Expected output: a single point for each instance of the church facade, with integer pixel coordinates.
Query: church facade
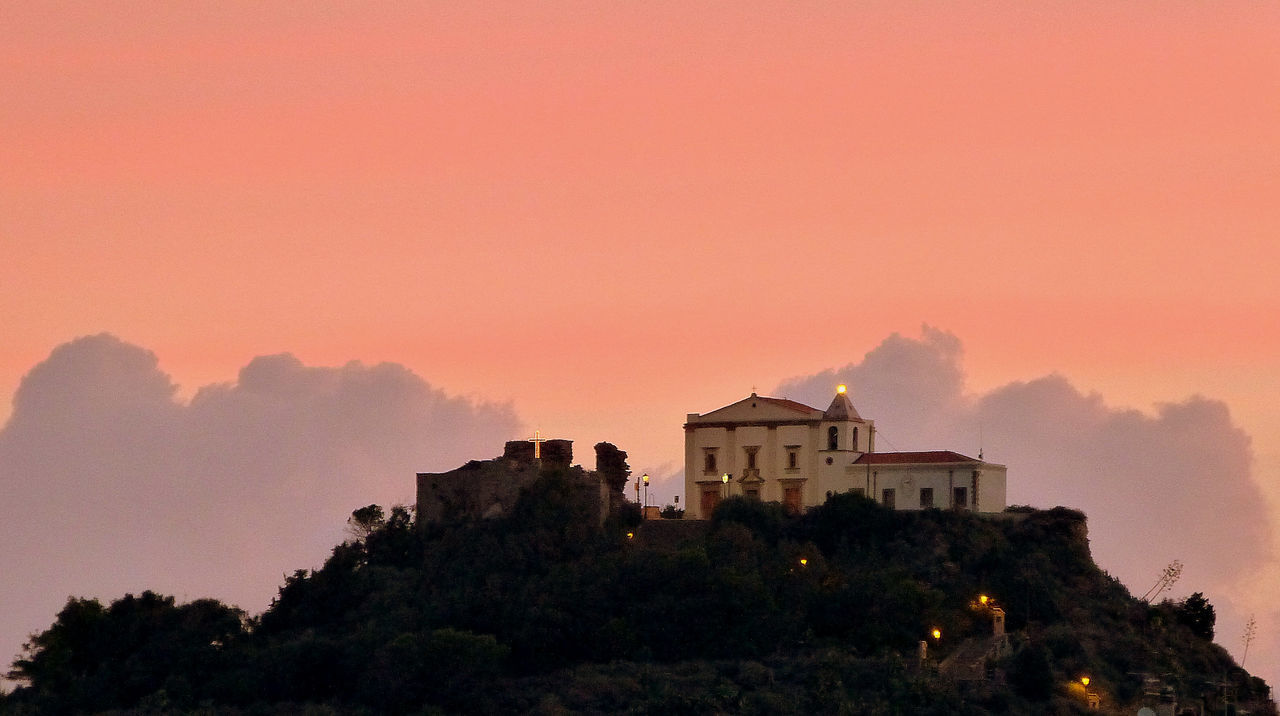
(777, 449)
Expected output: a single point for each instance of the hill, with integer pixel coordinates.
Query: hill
(755, 611)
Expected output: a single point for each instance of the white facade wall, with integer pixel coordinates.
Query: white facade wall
(992, 496)
(907, 481)
(774, 429)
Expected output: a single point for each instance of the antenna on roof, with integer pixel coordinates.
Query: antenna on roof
(980, 440)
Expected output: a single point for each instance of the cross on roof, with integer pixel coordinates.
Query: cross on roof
(537, 441)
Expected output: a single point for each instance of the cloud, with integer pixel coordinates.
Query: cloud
(1174, 483)
(111, 484)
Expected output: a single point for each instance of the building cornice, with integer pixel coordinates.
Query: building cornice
(766, 423)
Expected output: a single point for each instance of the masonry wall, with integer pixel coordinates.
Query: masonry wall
(489, 489)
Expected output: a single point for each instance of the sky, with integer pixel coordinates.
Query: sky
(264, 261)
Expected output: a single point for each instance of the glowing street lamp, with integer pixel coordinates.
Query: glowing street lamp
(936, 634)
(983, 599)
(803, 561)
(645, 477)
(1084, 680)
(725, 479)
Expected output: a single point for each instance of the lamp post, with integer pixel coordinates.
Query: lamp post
(725, 479)
(645, 477)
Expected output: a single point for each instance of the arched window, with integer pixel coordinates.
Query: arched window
(855, 438)
(833, 438)
(709, 462)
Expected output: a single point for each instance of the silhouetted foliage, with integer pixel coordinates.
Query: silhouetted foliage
(754, 611)
(1030, 674)
(95, 658)
(1197, 614)
(364, 521)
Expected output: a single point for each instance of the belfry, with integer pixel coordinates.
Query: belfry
(778, 449)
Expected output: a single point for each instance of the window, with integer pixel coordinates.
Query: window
(709, 462)
(960, 498)
(855, 439)
(833, 438)
(751, 456)
(926, 498)
(888, 498)
(793, 459)
(753, 493)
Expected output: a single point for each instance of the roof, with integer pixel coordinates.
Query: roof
(788, 404)
(841, 408)
(904, 458)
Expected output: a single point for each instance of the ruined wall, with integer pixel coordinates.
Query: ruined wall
(478, 490)
(555, 453)
(488, 489)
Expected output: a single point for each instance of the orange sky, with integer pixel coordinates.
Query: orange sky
(593, 205)
(611, 214)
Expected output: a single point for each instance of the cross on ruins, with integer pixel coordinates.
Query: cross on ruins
(537, 441)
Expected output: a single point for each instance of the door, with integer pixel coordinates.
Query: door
(791, 499)
(889, 498)
(710, 498)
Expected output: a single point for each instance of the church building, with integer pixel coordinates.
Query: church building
(778, 449)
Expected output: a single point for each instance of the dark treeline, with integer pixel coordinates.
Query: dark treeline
(756, 611)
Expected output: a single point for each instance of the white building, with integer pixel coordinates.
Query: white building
(777, 449)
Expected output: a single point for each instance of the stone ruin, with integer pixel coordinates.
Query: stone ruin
(488, 489)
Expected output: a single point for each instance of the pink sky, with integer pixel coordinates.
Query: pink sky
(612, 214)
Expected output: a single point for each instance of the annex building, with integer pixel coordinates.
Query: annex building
(778, 449)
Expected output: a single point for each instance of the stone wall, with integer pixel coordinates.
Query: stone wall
(555, 453)
(488, 489)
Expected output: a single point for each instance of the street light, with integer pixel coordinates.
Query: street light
(645, 477)
(936, 634)
(725, 479)
(1084, 680)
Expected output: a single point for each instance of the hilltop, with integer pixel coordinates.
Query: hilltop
(544, 609)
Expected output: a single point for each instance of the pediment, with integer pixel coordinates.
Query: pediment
(756, 408)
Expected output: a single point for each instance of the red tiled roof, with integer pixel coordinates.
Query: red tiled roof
(900, 458)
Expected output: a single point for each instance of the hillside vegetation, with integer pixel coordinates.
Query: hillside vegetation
(754, 611)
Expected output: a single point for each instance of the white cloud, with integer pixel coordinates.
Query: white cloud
(112, 485)
(1174, 483)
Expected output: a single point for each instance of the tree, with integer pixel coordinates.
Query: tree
(1030, 673)
(1198, 615)
(95, 658)
(364, 521)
